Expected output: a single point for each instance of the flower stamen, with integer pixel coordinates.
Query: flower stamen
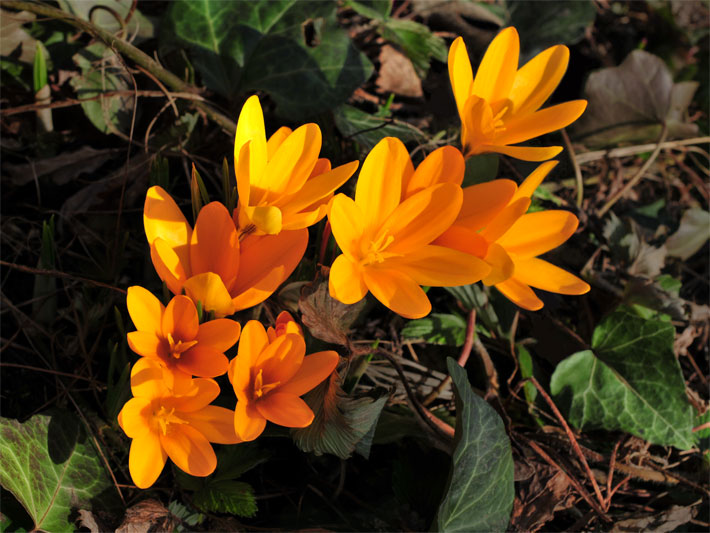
(176, 348)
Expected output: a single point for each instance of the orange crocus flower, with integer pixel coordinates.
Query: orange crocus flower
(493, 225)
(174, 337)
(282, 183)
(386, 233)
(210, 263)
(269, 374)
(163, 424)
(500, 107)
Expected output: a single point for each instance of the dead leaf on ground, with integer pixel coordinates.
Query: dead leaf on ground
(692, 234)
(13, 37)
(397, 74)
(669, 520)
(148, 515)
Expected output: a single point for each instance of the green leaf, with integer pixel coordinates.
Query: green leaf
(480, 169)
(480, 493)
(437, 328)
(368, 130)
(233, 497)
(629, 381)
(50, 466)
(294, 50)
(40, 68)
(416, 41)
(374, 9)
(693, 233)
(340, 422)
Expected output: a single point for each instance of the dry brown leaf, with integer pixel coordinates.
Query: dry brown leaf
(397, 74)
(148, 515)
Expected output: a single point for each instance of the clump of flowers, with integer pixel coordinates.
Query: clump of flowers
(405, 228)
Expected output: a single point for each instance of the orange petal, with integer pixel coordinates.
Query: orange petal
(250, 129)
(285, 410)
(180, 319)
(146, 344)
(209, 289)
(276, 140)
(539, 232)
(163, 219)
(135, 417)
(266, 262)
(398, 292)
(443, 165)
(147, 379)
(345, 282)
(189, 450)
(253, 341)
(220, 334)
(520, 294)
(296, 221)
(248, 421)
(532, 182)
(464, 240)
(315, 368)
(346, 221)
(200, 392)
(526, 153)
(496, 72)
(438, 266)
(168, 265)
(146, 460)
(319, 188)
(203, 361)
(379, 186)
(537, 79)
(484, 201)
(242, 164)
(214, 246)
(460, 73)
(546, 120)
(145, 310)
(546, 276)
(502, 266)
(282, 358)
(505, 219)
(215, 423)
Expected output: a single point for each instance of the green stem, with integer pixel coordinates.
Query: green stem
(127, 50)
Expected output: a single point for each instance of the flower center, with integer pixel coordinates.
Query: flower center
(498, 124)
(176, 348)
(165, 418)
(375, 252)
(260, 389)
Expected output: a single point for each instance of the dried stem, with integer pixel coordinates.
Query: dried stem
(575, 164)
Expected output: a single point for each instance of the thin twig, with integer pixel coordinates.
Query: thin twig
(626, 151)
(575, 165)
(48, 371)
(59, 274)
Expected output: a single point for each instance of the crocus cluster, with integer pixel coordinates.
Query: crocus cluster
(405, 228)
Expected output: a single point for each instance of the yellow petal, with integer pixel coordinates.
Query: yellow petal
(168, 265)
(145, 344)
(146, 460)
(215, 423)
(250, 128)
(214, 246)
(438, 266)
(163, 218)
(505, 219)
(464, 240)
(320, 187)
(537, 79)
(267, 219)
(248, 422)
(209, 289)
(135, 417)
(145, 310)
(197, 394)
(460, 73)
(220, 334)
(346, 221)
(285, 410)
(305, 219)
(536, 233)
(345, 282)
(484, 201)
(180, 319)
(398, 292)
(502, 266)
(276, 140)
(315, 368)
(546, 276)
(443, 165)
(520, 294)
(496, 72)
(532, 182)
(189, 450)
(147, 379)
(526, 153)
(242, 165)
(546, 120)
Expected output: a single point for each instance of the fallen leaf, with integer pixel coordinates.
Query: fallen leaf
(147, 515)
(669, 520)
(692, 234)
(397, 74)
(14, 37)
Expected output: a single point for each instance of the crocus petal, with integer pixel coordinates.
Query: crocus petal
(526, 153)
(438, 266)
(189, 450)
(484, 201)
(220, 334)
(443, 165)
(209, 289)
(242, 164)
(201, 392)
(295, 221)
(168, 265)
(147, 379)
(520, 129)
(505, 219)
(346, 222)
(214, 246)
(320, 187)
(145, 344)
(533, 181)
(253, 341)
(203, 361)
(397, 291)
(546, 276)
(464, 240)
(421, 218)
(379, 186)
(537, 79)
(285, 410)
(496, 72)
(460, 73)
(215, 423)
(180, 319)
(163, 219)
(135, 417)
(346, 283)
(266, 262)
(276, 140)
(145, 310)
(540, 232)
(250, 129)
(146, 460)
(248, 421)
(315, 368)
(282, 358)
(502, 266)
(520, 294)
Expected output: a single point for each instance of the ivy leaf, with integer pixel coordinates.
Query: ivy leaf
(340, 422)
(437, 328)
(225, 496)
(629, 381)
(480, 492)
(50, 466)
(368, 130)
